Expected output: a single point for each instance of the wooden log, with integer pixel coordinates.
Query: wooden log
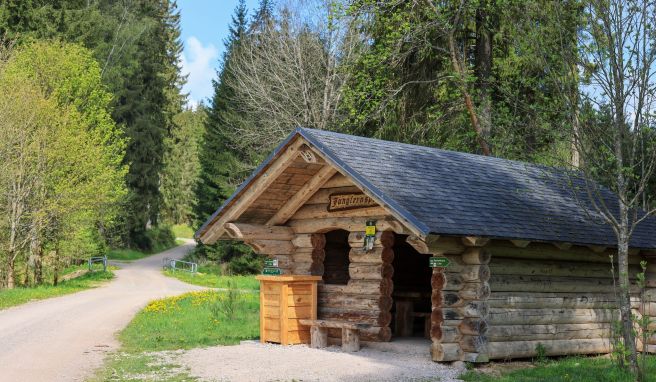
(318, 337)
(372, 334)
(298, 199)
(526, 349)
(256, 187)
(475, 241)
(301, 257)
(376, 255)
(355, 302)
(248, 232)
(531, 300)
(444, 334)
(502, 316)
(338, 180)
(383, 223)
(544, 251)
(476, 256)
(443, 352)
(309, 240)
(301, 268)
(513, 283)
(364, 271)
(478, 309)
(272, 247)
(475, 273)
(323, 195)
(474, 291)
(382, 239)
(536, 267)
(473, 326)
(438, 279)
(350, 340)
(320, 211)
(372, 317)
(418, 244)
(447, 299)
(437, 317)
(317, 269)
(500, 333)
(444, 245)
(473, 344)
(318, 255)
(361, 287)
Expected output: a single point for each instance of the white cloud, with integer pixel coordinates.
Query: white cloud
(198, 63)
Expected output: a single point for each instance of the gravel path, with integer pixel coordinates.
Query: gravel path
(255, 362)
(66, 338)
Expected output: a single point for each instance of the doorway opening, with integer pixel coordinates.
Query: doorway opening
(412, 305)
(336, 263)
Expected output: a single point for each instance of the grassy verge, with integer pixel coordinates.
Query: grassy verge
(17, 296)
(210, 276)
(187, 321)
(580, 369)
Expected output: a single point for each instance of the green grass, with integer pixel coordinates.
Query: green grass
(17, 296)
(186, 321)
(579, 369)
(210, 276)
(141, 367)
(182, 322)
(182, 231)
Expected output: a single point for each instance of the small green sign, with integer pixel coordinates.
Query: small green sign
(271, 271)
(271, 263)
(438, 262)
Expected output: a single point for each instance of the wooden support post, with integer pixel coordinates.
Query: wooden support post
(350, 340)
(318, 337)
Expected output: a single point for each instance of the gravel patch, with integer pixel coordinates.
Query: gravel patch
(251, 362)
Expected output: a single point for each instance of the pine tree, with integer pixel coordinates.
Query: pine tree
(142, 106)
(217, 161)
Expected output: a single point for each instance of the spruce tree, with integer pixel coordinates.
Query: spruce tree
(217, 161)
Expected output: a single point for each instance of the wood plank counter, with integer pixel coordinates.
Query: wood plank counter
(284, 300)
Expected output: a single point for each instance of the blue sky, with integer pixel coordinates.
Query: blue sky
(204, 26)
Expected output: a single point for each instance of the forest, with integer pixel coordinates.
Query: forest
(100, 149)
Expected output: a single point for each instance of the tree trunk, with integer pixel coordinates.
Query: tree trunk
(11, 272)
(625, 299)
(483, 67)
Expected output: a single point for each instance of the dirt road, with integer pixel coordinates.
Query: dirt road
(66, 338)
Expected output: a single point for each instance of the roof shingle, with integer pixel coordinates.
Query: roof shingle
(453, 193)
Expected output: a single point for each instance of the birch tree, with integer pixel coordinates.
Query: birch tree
(616, 145)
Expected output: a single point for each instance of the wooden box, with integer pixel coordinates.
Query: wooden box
(284, 300)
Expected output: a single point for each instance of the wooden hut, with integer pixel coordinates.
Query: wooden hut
(529, 262)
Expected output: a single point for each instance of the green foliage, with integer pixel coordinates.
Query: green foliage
(186, 321)
(214, 276)
(580, 369)
(21, 295)
(540, 353)
(181, 167)
(227, 303)
(182, 231)
(239, 258)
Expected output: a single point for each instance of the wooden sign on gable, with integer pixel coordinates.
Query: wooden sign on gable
(349, 201)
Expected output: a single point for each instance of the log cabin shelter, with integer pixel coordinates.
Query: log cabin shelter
(528, 255)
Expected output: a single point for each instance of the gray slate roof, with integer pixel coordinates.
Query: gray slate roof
(452, 193)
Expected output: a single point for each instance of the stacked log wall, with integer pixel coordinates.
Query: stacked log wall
(366, 298)
(561, 299)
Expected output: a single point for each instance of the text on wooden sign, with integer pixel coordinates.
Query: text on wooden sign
(347, 201)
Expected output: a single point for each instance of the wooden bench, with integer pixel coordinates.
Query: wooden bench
(319, 333)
